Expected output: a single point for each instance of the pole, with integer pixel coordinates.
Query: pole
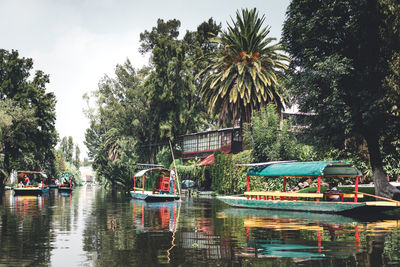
(176, 170)
(319, 186)
(356, 190)
(143, 183)
(284, 183)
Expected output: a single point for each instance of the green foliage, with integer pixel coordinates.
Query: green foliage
(74, 173)
(226, 177)
(28, 116)
(346, 74)
(269, 141)
(137, 112)
(242, 75)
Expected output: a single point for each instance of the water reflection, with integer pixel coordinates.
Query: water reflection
(96, 227)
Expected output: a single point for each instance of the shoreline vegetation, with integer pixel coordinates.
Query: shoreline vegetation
(225, 75)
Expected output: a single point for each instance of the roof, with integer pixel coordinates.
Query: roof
(160, 170)
(207, 161)
(311, 168)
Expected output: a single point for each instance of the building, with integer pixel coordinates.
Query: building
(201, 145)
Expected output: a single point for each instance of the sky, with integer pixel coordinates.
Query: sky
(77, 42)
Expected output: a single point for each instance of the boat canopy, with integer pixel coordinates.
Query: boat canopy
(301, 169)
(160, 170)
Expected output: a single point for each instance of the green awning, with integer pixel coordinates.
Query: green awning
(311, 168)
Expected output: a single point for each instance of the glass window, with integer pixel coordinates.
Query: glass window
(190, 143)
(203, 142)
(215, 141)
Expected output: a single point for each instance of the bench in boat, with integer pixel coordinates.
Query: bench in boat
(292, 195)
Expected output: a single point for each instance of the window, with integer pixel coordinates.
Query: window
(190, 143)
(215, 141)
(226, 138)
(203, 142)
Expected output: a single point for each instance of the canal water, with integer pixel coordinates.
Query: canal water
(94, 227)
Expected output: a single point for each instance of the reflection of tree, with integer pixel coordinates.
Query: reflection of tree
(25, 232)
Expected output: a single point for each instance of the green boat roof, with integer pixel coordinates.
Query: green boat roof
(311, 168)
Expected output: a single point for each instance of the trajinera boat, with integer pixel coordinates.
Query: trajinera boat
(31, 183)
(65, 183)
(158, 180)
(307, 202)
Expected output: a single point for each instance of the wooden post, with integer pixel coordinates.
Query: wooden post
(356, 190)
(248, 185)
(143, 183)
(134, 183)
(319, 186)
(284, 184)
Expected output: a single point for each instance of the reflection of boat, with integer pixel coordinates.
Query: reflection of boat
(322, 233)
(30, 186)
(160, 216)
(309, 202)
(160, 192)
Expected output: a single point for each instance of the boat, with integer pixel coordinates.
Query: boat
(36, 185)
(53, 183)
(159, 177)
(65, 183)
(306, 202)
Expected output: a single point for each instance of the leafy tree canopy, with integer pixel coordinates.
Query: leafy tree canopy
(343, 53)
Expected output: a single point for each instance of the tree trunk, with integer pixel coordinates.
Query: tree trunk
(382, 187)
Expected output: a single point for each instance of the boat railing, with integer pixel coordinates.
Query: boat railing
(276, 195)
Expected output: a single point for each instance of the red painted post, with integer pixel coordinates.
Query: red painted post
(319, 186)
(143, 184)
(356, 190)
(357, 238)
(134, 183)
(248, 185)
(284, 184)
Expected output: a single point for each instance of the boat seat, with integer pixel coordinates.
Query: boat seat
(281, 195)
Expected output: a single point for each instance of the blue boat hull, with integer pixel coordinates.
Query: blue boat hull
(150, 197)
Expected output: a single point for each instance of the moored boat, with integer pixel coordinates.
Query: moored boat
(308, 202)
(163, 189)
(33, 186)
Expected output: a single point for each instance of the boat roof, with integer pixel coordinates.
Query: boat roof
(302, 169)
(21, 173)
(160, 170)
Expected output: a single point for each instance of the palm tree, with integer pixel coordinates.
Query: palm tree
(242, 76)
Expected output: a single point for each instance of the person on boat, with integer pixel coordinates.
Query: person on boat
(20, 184)
(26, 180)
(172, 177)
(331, 192)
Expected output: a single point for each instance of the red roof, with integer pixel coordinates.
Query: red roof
(207, 161)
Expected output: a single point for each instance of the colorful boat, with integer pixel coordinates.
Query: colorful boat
(308, 202)
(65, 183)
(33, 186)
(160, 178)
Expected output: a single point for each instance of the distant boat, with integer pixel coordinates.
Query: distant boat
(35, 187)
(307, 202)
(162, 186)
(65, 183)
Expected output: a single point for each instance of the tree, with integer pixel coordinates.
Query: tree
(77, 161)
(341, 53)
(243, 75)
(28, 141)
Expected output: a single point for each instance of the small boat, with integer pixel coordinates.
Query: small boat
(161, 190)
(65, 184)
(33, 186)
(306, 202)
